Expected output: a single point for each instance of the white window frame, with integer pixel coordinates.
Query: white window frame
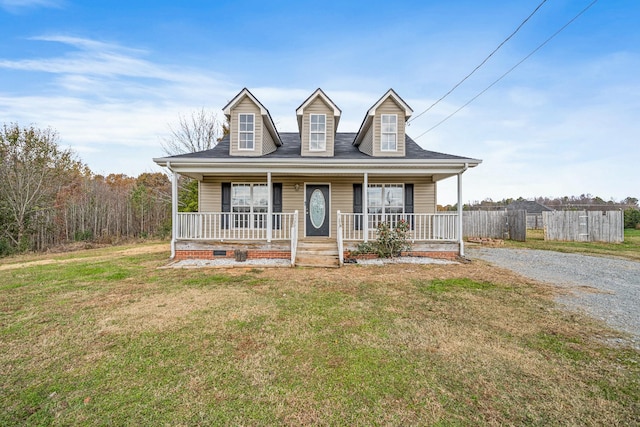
(386, 134)
(254, 219)
(384, 214)
(322, 143)
(251, 132)
(383, 207)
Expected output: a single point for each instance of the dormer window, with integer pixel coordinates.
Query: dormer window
(318, 132)
(246, 132)
(389, 132)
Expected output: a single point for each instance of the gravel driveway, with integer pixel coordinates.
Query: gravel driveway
(605, 288)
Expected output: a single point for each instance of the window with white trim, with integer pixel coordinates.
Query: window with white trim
(385, 203)
(246, 135)
(249, 204)
(389, 132)
(317, 132)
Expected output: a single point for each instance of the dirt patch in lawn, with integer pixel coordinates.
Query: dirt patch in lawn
(138, 250)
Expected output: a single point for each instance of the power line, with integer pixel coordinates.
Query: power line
(481, 64)
(510, 69)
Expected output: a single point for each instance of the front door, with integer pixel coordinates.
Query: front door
(317, 210)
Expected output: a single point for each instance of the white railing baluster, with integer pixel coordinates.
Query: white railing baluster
(251, 227)
(232, 226)
(425, 227)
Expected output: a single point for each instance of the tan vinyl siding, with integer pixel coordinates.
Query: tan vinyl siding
(389, 107)
(210, 195)
(246, 106)
(293, 200)
(424, 196)
(268, 144)
(318, 106)
(366, 146)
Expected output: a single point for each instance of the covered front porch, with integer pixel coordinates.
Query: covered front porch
(300, 211)
(271, 229)
(218, 234)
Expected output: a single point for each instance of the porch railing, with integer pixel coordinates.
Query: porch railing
(423, 227)
(294, 238)
(234, 226)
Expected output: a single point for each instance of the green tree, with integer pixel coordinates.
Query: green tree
(188, 197)
(33, 169)
(631, 218)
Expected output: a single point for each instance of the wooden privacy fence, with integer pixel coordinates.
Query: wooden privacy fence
(510, 225)
(583, 226)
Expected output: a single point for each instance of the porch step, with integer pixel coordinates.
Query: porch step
(321, 253)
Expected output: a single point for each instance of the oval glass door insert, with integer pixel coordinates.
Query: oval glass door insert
(317, 207)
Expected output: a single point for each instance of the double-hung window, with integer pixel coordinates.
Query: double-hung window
(389, 132)
(246, 134)
(249, 204)
(385, 203)
(318, 132)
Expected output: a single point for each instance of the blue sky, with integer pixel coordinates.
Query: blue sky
(111, 76)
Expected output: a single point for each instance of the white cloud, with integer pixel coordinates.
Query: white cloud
(112, 104)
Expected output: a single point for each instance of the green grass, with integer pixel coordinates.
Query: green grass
(112, 339)
(629, 249)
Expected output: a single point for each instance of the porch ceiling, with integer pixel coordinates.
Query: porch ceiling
(437, 171)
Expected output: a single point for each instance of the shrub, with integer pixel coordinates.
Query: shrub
(82, 236)
(390, 241)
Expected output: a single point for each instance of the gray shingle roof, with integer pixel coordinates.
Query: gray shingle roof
(343, 149)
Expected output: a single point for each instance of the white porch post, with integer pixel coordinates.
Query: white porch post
(269, 209)
(174, 210)
(365, 203)
(460, 233)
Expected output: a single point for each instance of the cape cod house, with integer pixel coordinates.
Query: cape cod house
(312, 195)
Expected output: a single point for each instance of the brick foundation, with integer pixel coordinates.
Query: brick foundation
(450, 255)
(251, 254)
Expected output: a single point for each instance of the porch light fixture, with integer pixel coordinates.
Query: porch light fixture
(296, 187)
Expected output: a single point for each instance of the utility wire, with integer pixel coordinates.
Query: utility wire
(481, 64)
(510, 70)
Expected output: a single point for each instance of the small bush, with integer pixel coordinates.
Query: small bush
(391, 241)
(5, 248)
(82, 236)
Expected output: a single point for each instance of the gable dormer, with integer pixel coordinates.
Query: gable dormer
(252, 132)
(382, 133)
(318, 119)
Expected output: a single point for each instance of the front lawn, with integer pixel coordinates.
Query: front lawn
(109, 338)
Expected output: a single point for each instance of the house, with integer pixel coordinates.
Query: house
(312, 195)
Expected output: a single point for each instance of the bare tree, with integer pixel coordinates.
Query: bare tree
(200, 131)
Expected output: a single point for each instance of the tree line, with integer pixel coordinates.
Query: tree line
(48, 197)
